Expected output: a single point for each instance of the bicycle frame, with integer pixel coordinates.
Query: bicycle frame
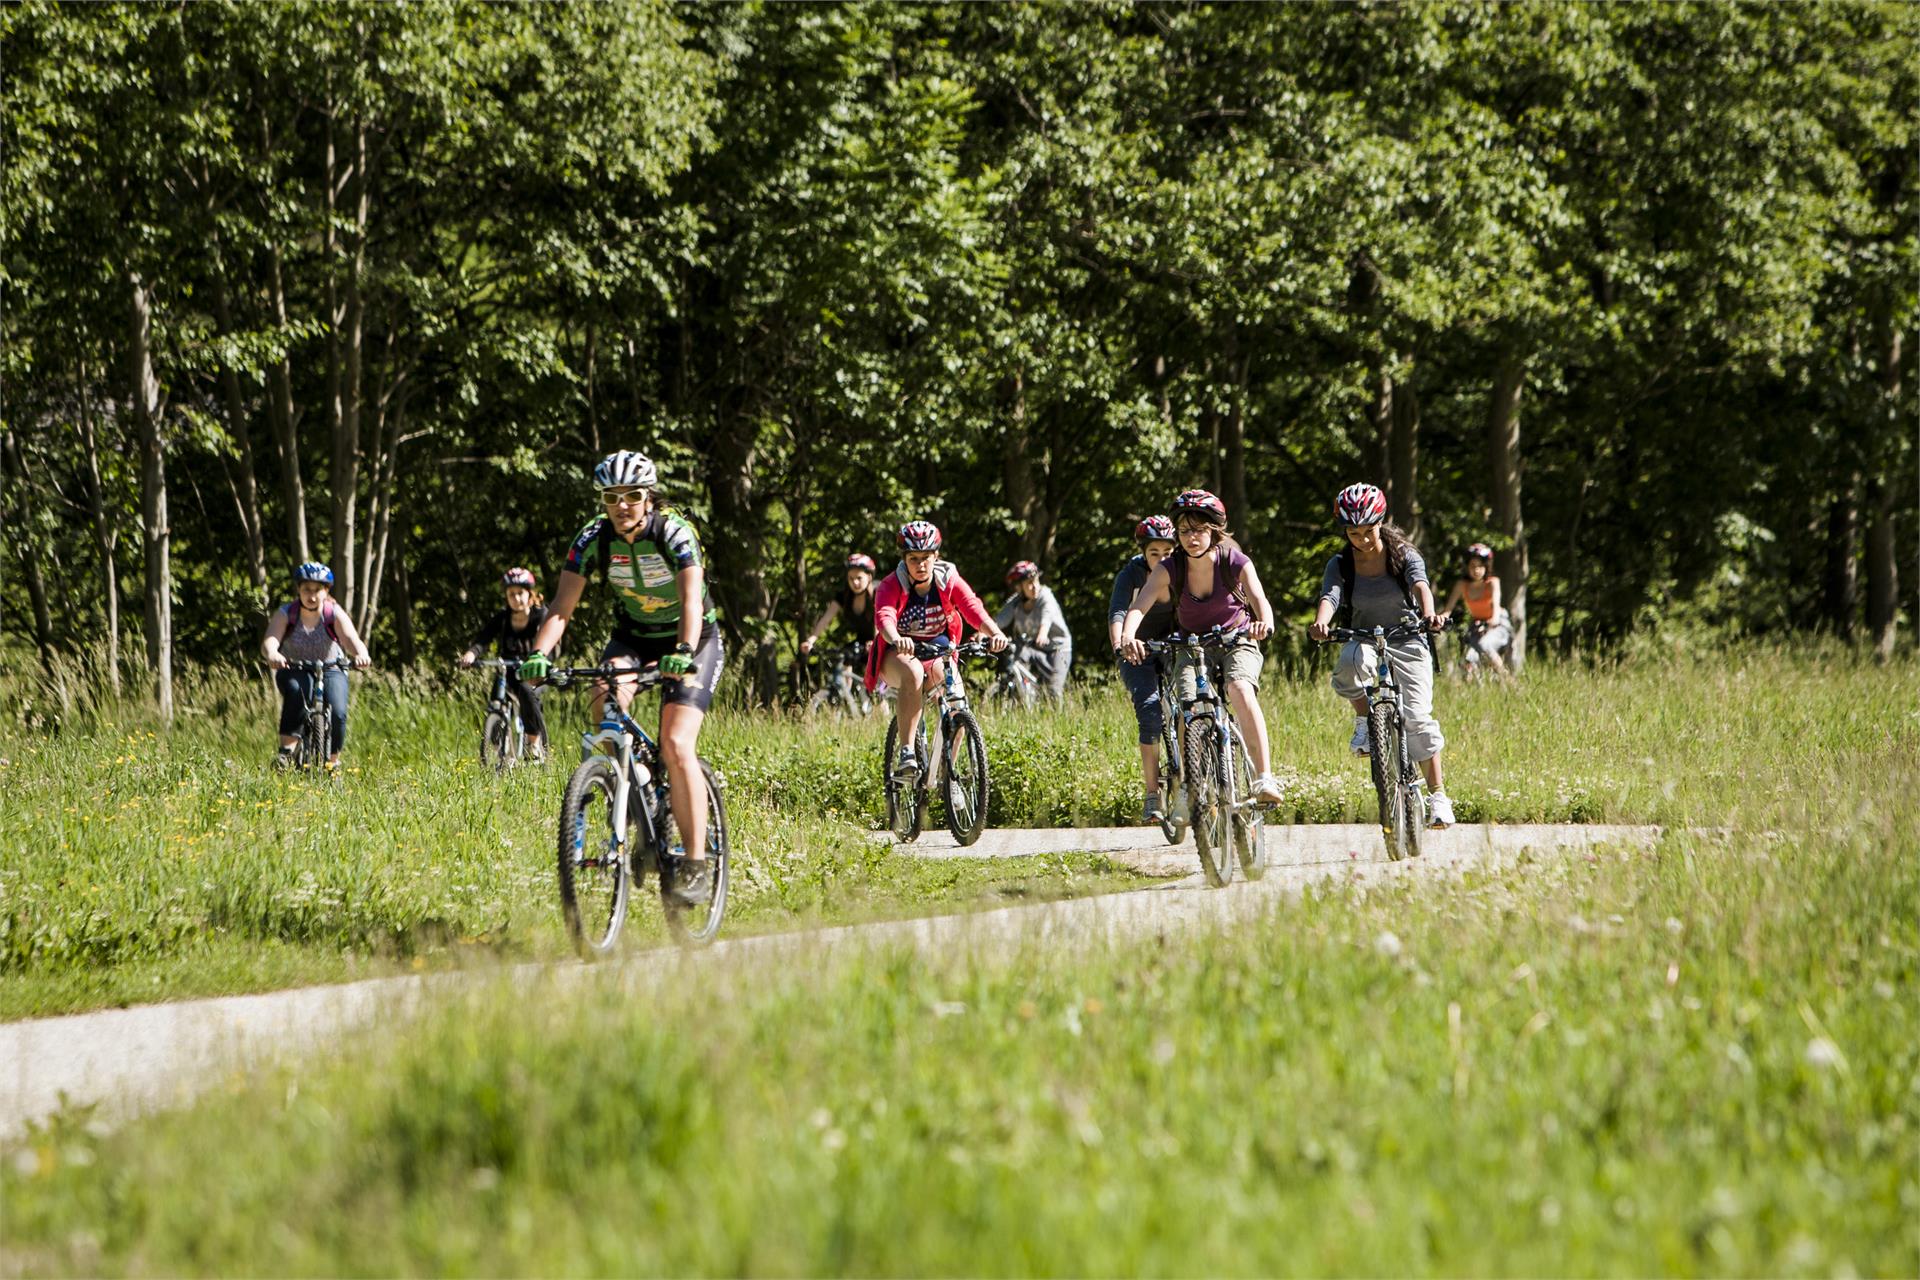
(617, 736)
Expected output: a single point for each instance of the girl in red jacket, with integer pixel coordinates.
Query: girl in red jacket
(922, 599)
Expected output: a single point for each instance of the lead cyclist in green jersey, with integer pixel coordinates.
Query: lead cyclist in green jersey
(650, 562)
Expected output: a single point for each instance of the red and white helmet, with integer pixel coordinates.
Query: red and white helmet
(1021, 571)
(919, 535)
(858, 561)
(1201, 503)
(1360, 504)
(1153, 529)
(517, 577)
(1480, 551)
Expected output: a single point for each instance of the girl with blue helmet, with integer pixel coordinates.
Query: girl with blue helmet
(311, 629)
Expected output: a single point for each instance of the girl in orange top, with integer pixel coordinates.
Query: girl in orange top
(1489, 630)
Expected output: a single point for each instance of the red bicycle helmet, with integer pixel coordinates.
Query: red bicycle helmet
(1200, 502)
(1360, 504)
(1022, 571)
(919, 535)
(1480, 551)
(1153, 529)
(858, 561)
(517, 577)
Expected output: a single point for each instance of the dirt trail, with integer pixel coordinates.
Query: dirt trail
(140, 1059)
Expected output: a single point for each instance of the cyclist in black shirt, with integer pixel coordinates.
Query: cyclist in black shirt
(854, 602)
(514, 627)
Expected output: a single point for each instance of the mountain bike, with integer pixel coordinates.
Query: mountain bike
(957, 745)
(616, 825)
(842, 690)
(315, 747)
(1214, 766)
(1015, 684)
(1398, 783)
(503, 738)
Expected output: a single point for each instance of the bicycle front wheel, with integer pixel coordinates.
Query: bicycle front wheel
(496, 741)
(315, 738)
(1384, 731)
(903, 795)
(1173, 797)
(596, 879)
(1249, 823)
(1212, 825)
(965, 770)
(696, 926)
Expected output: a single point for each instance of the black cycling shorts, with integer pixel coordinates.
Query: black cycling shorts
(695, 689)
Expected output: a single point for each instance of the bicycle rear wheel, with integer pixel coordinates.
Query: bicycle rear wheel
(965, 774)
(1384, 730)
(1173, 822)
(596, 878)
(1249, 822)
(903, 796)
(696, 926)
(1212, 825)
(496, 741)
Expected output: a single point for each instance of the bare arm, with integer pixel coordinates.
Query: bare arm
(691, 582)
(1152, 592)
(350, 637)
(1459, 593)
(1496, 596)
(826, 620)
(276, 632)
(1257, 596)
(566, 598)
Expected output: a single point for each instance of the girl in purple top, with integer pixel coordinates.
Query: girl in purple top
(1212, 583)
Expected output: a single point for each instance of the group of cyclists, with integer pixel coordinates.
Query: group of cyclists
(1188, 576)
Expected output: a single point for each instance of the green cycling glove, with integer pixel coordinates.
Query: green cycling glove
(676, 664)
(535, 667)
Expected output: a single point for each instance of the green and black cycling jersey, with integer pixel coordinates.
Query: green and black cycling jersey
(640, 575)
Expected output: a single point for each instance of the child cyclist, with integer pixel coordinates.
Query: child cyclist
(311, 629)
(515, 628)
(654, 576)
(854, 603)
(1377, 577)
(1210, 583)
(1155, 536)
(922, 599)
(1490, 631)
(1034, 615)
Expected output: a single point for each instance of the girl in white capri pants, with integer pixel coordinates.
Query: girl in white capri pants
(1377, 578)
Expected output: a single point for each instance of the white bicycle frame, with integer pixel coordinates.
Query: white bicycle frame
(613, 739)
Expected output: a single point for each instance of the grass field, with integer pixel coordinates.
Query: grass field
(139, 866)
(1699, 1059)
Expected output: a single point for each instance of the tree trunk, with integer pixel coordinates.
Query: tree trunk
(1840, 584)
(1016, 457)
(1233, 479)
(347, 315)
(403, 606)
(144, 401)
(1504, 472)
(105, 533)
(739, 560)
(240, 469)
(1378, 451)
(1403, 489)
(1883, 573)
(29, 557)
(286, 426)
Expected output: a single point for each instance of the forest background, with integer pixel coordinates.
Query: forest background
(1628, 291)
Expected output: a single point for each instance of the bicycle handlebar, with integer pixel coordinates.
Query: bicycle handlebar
(971, 649)
(642, 677)
(1405, 630)
(1217, 638)
(314, 666)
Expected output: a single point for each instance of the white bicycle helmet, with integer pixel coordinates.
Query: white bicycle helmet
(626, 469)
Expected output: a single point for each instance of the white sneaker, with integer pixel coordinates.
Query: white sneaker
(1266, 789)
(1439, 810)
(1361, 743)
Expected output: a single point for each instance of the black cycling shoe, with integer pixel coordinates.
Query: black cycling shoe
(691, 882)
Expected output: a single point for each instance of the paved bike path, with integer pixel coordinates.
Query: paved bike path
(129, 1061)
